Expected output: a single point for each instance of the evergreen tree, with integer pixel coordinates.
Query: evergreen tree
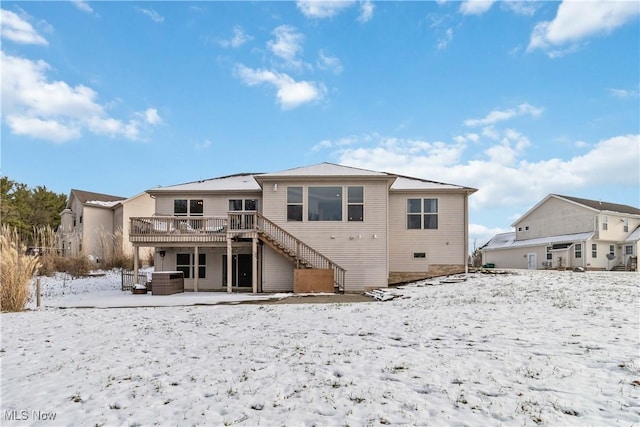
(23, 208)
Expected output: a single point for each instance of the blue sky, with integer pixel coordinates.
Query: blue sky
(517, 99)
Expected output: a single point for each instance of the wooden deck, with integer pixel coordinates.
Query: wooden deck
(218, 231)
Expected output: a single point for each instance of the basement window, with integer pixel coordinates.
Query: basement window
(419, 255)
(186, 264)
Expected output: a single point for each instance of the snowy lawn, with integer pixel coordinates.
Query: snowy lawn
(542, 347)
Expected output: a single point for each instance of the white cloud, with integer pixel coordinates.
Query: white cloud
(287, 44)
(203, 145)
(480, 234)
(328, 62)
(366, 11)
(18, 30)
(576, 21)
(239, 38)
(527, 8)
(623, 93)
(290, 93)
(501, 177)
(445, 39)
(155, 16)
(55, 111)
(152, 117)
(475, 7)
(322, 9)
(501, 115)
(82, 5)
(327, 143)
(34, 127)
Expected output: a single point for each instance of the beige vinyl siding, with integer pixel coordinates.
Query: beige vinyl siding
(555, 217)
(446, 245)
(615, 226)
(515, 258)
(97, 223)
(277, 272)
(214, 279)
(142, 205)
(359, 247)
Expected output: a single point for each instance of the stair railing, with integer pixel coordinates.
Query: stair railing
(300, 251)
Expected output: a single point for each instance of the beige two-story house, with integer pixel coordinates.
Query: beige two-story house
(257, 231)
(569, 232)
(95, 224)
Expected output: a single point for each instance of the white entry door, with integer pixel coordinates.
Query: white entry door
(531, 261)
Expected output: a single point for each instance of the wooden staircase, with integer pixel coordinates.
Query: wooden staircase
(298, 252)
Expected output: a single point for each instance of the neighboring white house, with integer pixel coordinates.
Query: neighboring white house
(96, 224)
(569, 232)
(257, 231)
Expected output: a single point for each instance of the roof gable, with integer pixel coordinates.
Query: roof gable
(85, 197)
(602, 206)
(593, 205)
(324, 170)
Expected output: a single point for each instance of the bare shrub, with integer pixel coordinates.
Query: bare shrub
(16, 270)
(122, 261)
(77, 266)
(44, 239)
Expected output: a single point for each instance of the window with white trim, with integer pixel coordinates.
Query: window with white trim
(243, 205)
(294, 203)
(324, 203)
(578, 250)
(625, 225)
(628, 250)
(184, 207)
(422, 214)
(605, 222)
(594, 250)
(185, 263)
(355, 203)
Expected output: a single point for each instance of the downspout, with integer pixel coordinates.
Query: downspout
(466, 233)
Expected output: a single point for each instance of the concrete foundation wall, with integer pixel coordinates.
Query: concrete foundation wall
(435, 270)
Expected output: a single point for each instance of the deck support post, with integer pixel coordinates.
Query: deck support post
(229, 264)
(136, 261)
(254, 264)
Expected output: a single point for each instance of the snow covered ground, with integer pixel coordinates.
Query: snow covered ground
(532, 348)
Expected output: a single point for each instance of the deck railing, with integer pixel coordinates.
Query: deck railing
(303, 254)
(159, 225)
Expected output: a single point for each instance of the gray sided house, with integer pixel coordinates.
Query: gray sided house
(95, 224)
(568, 232)
(257, 232)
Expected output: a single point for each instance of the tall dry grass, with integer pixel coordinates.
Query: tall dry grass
(16, 270)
